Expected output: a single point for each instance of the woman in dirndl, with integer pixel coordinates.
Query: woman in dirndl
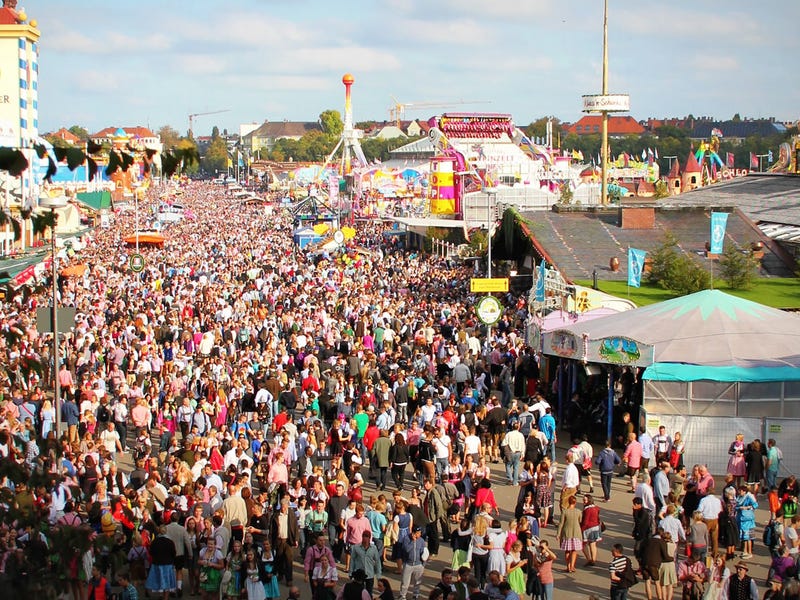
(233, 563)
(253, 575)
(736, 463)
(569, 534)
(497, 553)
(161, 579)
(462, 542)
(270, 580)
(211, 563)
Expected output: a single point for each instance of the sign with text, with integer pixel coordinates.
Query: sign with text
(485, 285)
(606, 103)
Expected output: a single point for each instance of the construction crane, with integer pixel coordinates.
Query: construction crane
(398, 110)
(202, 114)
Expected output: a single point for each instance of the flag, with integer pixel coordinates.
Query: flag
(540, 277)
(769, 156)
(635, 266)
(644, 154)
(718, 223)
(729, 162)
(753, 161)
(656, 153)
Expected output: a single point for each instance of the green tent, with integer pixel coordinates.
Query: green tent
(97, 201)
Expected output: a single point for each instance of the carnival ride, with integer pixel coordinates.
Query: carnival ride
(709, 150)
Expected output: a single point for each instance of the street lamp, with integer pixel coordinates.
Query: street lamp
(54, 204)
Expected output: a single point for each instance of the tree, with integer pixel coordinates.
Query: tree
(216, 158)
(738, 268)
(169, 137)
(214, 132)
(676, 272)
(736, 118)
(81, 133)
(331, 122)
(57, 141)
(538, 128)
(662, 190)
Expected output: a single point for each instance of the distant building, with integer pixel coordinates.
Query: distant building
(264, 137)
(66, 135)
(138, 137)
(617, 126)
(737, 131)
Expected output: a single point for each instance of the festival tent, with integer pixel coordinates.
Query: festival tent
(709, 335)
(715, 365)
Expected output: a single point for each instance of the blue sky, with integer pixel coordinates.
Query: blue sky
(152, 63)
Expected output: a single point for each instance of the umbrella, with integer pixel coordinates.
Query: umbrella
(349, 232)
(321, 228)
(76, 270)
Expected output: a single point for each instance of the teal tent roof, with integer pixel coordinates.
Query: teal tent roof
(707, 329)
(95, 200)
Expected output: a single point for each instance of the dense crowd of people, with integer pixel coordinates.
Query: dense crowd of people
(233, 415)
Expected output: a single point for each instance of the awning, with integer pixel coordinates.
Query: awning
(18, 271)
(420, 225)
(97, 201)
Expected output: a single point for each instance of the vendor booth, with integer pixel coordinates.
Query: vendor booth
(714, 365)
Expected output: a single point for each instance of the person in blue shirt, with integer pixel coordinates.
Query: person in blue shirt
(547, 425)
(606, 463)
(70, 414)
(508, 593)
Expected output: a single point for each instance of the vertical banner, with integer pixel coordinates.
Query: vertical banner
(540, 279)
(718, 224)
(635, 266)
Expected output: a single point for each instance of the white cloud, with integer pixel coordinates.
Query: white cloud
(200, 64)
(456, 31)
(95, 81)
(667, 20)
(513, 10)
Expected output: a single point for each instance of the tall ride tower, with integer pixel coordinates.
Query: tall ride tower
(351, 147)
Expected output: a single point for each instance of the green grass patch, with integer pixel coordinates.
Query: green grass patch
(778, 292)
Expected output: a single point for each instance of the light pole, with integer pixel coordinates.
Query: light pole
(604, 122)
(54, 204)
(491, 194)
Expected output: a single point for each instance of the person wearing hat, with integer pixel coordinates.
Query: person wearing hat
(355, 589)
(775, 588)
(742, 586)
(365, 558)
(414, 564)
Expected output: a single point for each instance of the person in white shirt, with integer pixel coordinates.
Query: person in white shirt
(569, 482)
(515, 442)
(644, 490)
(110, 440)
(442, 447)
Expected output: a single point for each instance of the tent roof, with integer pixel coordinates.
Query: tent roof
(97, 201)
(708, 328)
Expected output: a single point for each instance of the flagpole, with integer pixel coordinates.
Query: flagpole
(628, 278)
(712, 273)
